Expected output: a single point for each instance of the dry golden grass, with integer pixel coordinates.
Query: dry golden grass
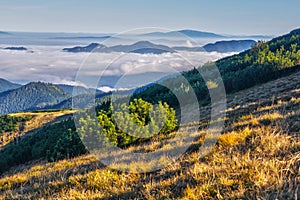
(233, 172)
(257, 157)
(37, 120)
(255, 162)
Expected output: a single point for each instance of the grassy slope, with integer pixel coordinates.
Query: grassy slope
(257, 157)
(37, 120)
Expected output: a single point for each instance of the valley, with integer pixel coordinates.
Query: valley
(50, 150)
(260, 145)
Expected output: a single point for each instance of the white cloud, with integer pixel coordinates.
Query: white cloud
(50, 64)
(189, 43)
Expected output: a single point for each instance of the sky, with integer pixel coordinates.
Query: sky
(51, 64)
(236, 17)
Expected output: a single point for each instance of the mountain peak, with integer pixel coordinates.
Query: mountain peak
(32, 96)
(191, 31)
(296, 31)
(140, 47)
(195, 33)
(91, 47)
(143, 43)
(95, 45)
(4, 33)
(6, 85)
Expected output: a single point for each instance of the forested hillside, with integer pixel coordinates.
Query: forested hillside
(14, 127)
(52, 142)
(77, 90)
(6, 85)
(61, 140)
(256, 157)
(32, 96)
(10, 123)
(263, 62)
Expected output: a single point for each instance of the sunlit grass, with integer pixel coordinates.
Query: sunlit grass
(36, 121)
(256, 157)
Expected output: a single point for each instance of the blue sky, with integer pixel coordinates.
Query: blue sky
(105, 16)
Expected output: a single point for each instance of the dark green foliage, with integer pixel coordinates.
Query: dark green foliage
(33, 96)
(81, 101)
(57, 141)
(126, 124)
(10, 123)
(265, 61)
(60, 140)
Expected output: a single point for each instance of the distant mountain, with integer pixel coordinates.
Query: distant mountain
(77, 90)
(16, 48)
(32, 96)
(150, 51)
(156, 34)
(193, 33)
(255, 37)
(221, 46)
(82, 101)
(265, 61)
(4, 33)
(139, 46)
(6, 85)
(82, 37)
(192, 49)
(188, 33)
(142, 47)
(230, 46)
(91, 47)
(145, 47)
(202, 34)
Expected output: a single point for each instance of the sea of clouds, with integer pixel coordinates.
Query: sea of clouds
(51, 64)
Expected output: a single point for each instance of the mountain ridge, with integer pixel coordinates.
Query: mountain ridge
(221, 46)
(146, 47)
(184, 32)
(265, 61)
(136, 47)
(253, 126)
(6, 85)
(16, 48)
(4, 33)
(230, 46)
(32, 96)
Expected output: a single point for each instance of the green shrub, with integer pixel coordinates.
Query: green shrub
(126, 124)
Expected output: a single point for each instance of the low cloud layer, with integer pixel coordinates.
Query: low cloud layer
(50, 64)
